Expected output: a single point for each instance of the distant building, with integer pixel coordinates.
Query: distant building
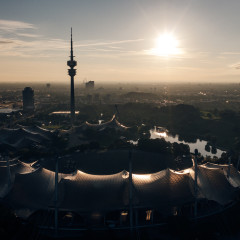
(89, 85)
(89, 99)
(97, 98)
(28, 99)
(107, 98)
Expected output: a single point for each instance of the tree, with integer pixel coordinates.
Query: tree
(228, 115)
(155, 145)
(180, 149)
(207, 147)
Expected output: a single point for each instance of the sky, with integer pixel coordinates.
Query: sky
(116, 40)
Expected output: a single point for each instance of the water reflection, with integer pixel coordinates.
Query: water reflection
(200, 145)
(63, 113)
(161, 134)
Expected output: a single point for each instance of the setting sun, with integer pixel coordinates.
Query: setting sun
(166, 45)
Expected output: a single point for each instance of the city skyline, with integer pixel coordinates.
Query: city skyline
(116, 41)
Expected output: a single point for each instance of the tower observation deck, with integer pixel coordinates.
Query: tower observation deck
(72, 72)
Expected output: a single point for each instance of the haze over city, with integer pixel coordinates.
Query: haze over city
(120, 41)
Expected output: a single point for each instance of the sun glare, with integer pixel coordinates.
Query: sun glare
(166, 45)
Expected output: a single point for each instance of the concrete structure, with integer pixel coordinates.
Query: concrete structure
(28, 99)
(72, 72)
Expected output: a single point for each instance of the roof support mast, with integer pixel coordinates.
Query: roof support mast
(195, 182)
(229, 166)
(130, 191)
(238, 163)
(9, 171)
(56, 196)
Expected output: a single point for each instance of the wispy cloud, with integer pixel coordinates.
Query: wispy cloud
(235, 66)
(34, 48)
(19, 40)
(230, 53)
(29, 35)
(35, 45)
(9, 25)
(5, 41)
(108, 43)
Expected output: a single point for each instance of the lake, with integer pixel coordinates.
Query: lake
(200, 145)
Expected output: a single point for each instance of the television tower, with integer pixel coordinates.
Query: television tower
(72, 72)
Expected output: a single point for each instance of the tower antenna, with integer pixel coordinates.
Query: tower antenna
(72, 72)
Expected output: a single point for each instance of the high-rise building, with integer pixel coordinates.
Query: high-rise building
(89, 85)
(28, 99)
(72, 72)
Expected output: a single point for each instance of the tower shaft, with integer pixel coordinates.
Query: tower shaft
(72, 99)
